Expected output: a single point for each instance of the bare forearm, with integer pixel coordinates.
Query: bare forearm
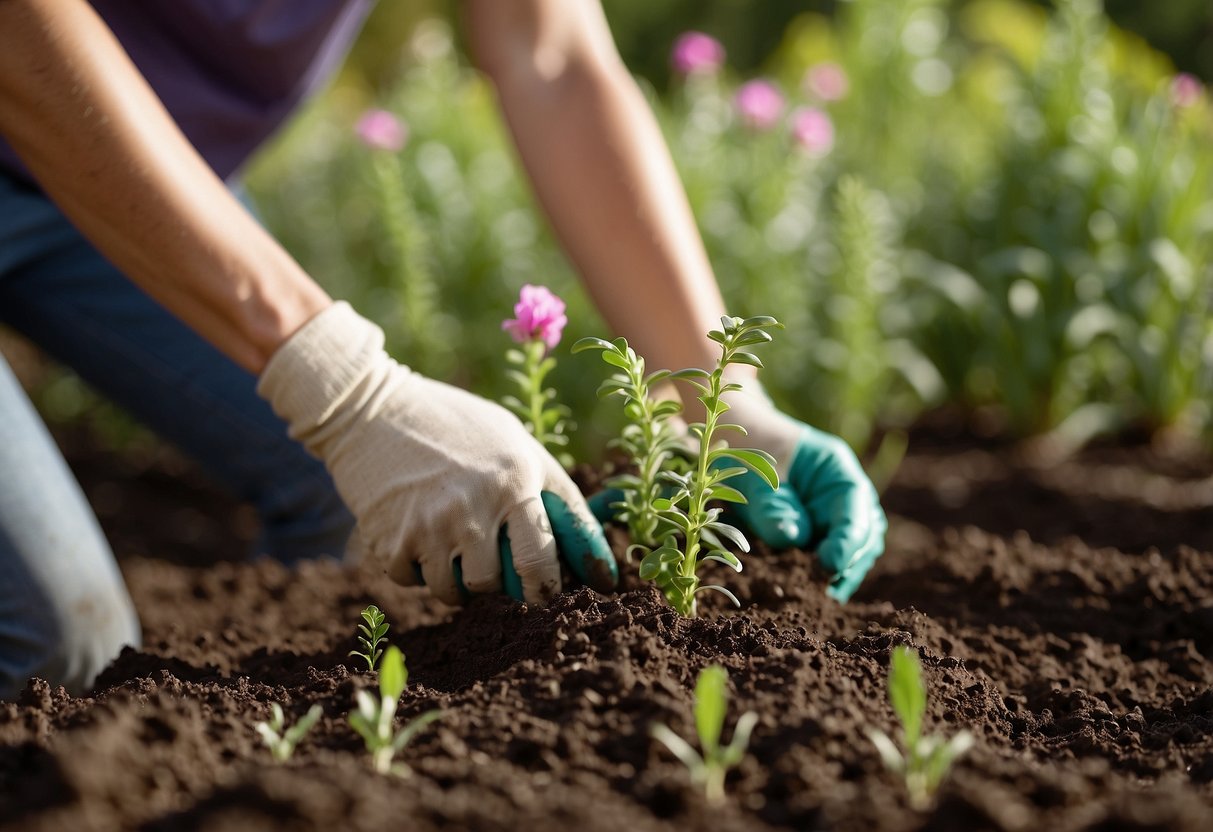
(103, 148)
(604, 176)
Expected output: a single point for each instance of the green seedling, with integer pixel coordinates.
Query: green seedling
(926, 760)
(373, 719)
(373, 632)
(281, 740)
(708, 770)
(648, 439)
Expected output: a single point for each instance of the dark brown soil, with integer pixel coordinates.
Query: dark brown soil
(1064, 616)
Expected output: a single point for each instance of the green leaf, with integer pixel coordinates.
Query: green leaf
(743, 357)
(666, 408)
(889, 755)
(728, 494)
(711, 703)
(592, 343)
(760, 462)
(656, 377)
(515, 357)
(690, 373)
(722, 591)
(733, 753)
(732, 533)
(613, 385)
(761, 321)
(393, 675)
(727, 558)
(753, 336)
(908, 693)
(616, 360)
(679, 747)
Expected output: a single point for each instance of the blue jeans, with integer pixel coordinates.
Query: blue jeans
(64, 611)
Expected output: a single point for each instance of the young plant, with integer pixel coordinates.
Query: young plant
(281, 740)
(648, 439)
(926, 759)
(373, 632)
(708, 770)
(538, 323)
(675, 569)
(373, 719)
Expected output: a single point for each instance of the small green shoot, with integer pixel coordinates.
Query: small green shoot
(281, 740)
(926, 759)
(708, 770)
(373, 720)
(373, 632)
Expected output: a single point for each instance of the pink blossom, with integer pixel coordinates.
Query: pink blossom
(827, 81)
(1186, 90)
(381, 130)
(813, 131)
(760, 104)
(539, 314)
(696, 53)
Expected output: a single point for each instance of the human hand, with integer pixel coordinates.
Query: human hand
(825, 499)
(432, 472)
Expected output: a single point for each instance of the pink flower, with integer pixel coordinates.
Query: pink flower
(827, 81)
(696, 53)
(539, 314)
(760, 104)
(380, 130)
(813, 131)
(1186, 90)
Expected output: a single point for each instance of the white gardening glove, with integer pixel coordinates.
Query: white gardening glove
(431, 472)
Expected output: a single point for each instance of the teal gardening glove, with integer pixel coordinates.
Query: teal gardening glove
(824, 501)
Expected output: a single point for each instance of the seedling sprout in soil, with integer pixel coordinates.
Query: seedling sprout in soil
(373, 632)
(708, 770)
(373, 720)
(538, 323)
(280, 742)
(673, 568)
(926, 760)
(648, 439)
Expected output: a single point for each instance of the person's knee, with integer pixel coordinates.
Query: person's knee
(68, 643)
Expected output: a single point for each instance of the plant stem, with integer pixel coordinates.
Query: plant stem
(699, 495)
(535, 351)
(713, 784)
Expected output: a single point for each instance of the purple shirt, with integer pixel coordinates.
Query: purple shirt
(229, 71)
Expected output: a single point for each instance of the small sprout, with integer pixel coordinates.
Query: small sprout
(280, 742)
(373, 632)
(373, 720)
(927, 759)
(708, 769)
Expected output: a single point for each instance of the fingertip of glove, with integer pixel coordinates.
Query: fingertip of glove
(582, 544)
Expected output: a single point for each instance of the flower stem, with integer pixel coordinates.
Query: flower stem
(535, 351)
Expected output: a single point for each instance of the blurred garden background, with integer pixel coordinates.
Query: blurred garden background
(997, 206)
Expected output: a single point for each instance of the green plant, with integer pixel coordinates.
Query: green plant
(373, 632)
(281, 740)
(537, 326)
(926, 760)
(708, 770)
(673, 568)
(648, 438)
(373, 719)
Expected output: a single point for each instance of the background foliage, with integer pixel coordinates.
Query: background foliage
(1014, 214)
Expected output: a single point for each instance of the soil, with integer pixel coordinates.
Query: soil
(1064, 615)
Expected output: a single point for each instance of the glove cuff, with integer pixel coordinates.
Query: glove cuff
(314, 371)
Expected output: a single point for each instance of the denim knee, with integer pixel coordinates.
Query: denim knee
(302, 515)
(66, 640)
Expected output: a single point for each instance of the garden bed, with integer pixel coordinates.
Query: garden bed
(1064, 616)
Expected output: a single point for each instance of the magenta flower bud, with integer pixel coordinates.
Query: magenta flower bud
(760, 104)
(813, 131)
(538, 315)
(696, 53)
(1186, 90)
(827, 81)
(381, 130)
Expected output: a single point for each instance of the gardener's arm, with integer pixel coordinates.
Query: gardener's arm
(605, 178)
(103, 148)
(431, 472)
